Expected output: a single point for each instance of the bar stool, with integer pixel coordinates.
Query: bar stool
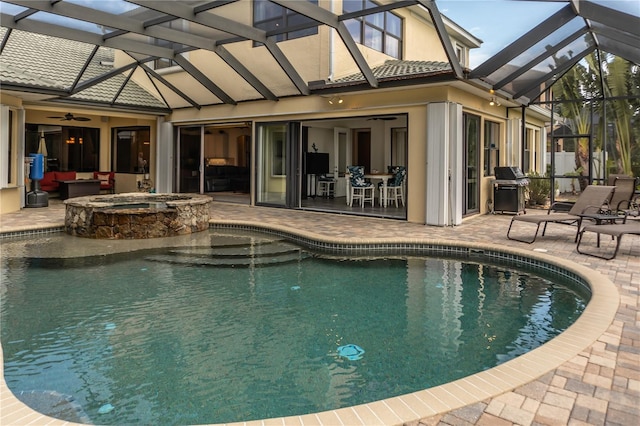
(326, 187)
(360, 189)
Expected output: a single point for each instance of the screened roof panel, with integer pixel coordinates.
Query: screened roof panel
(203, 31)
(532, 42)
(67, 22)
(162, 46)
(213, 66)
(12, 9)
(623, 36)
(170, 96)
(116, 7)
(575, 25)
(542, 67)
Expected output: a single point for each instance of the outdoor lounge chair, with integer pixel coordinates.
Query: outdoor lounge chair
(590, 200)
(616, 231)
(623, 194)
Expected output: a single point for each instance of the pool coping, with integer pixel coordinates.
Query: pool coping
(591, 325)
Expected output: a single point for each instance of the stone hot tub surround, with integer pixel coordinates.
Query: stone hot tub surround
(136, 215)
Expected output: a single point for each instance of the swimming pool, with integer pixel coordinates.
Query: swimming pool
(129, 334)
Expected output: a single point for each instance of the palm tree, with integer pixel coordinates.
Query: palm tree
(576, 88)
(619, 83)
(580, 94)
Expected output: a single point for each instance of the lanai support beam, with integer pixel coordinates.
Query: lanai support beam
(531, 64)
(204, 80)
(102, 77)
(217, 22)
(534, 87)
(516, 48)
(325, 17)
(164, 81)
(430, 5)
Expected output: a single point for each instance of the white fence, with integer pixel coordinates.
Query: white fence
(566, 165)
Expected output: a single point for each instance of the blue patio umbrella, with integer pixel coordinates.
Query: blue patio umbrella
(42, 149)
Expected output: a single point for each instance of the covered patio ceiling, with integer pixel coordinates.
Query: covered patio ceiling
(146, 30)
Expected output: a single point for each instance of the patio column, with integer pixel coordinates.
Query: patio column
(513, 152)
(445, 169)
(165, 164)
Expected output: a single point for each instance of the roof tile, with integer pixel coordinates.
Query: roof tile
(393, 69)
(54, 63)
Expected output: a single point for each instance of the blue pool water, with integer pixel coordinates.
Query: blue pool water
(246, 331)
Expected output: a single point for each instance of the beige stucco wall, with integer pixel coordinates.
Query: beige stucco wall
(305, 52)
(402, 101)
(10, 198)
(420, 43)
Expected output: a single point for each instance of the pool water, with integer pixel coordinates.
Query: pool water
(247, 331)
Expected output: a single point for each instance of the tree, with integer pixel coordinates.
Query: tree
(581, 96)
(620, 83)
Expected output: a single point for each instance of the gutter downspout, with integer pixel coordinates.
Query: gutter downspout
(331, 50)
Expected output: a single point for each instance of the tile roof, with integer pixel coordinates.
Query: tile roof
(53, 63)
(397, 69)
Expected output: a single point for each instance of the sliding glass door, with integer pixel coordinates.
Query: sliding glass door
(472, 164)
(278, 164)
(189, 159)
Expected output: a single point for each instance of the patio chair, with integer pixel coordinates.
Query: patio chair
(623, 194)
(590, 200)
(617, 231)
(360, 189)
(107, 181)
(395, 186)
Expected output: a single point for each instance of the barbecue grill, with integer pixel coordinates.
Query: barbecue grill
(509, 189)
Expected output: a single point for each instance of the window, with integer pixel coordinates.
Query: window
(164, 63)
(491, 147)
(273, 17)
(461, 53)
(380, 31)
(528, 152)
(8, 149)
(131, 149)
(66, 148)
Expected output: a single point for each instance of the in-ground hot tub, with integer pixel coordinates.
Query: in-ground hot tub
(136, 215)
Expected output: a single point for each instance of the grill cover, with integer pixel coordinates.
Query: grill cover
(508, 173)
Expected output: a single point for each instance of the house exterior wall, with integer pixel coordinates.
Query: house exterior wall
(420, 43)
(411, 101)
(12, 189)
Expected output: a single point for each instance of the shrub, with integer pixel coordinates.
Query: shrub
(539, 189)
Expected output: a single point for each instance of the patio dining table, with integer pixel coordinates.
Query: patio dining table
(384, 177)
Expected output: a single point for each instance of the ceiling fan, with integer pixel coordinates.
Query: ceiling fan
(68, 117)
(383, 118)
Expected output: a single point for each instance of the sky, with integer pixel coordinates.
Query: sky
(499, 22)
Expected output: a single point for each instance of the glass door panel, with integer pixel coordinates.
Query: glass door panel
(189, 159)
(472, 163)
(271, 181)
(341, 159)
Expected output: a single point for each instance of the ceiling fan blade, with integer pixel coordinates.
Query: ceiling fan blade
(68, 117)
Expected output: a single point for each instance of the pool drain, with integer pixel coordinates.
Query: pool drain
(351, 352)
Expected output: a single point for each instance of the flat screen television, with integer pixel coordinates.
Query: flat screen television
(317, 163)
